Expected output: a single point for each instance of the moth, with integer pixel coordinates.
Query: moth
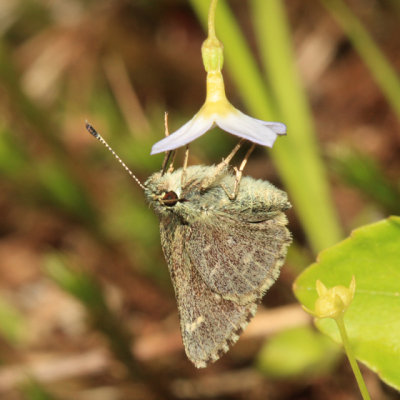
(224, 244)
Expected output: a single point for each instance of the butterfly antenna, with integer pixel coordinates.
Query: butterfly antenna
(97, 135)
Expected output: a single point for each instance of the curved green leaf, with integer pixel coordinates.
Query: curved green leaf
(372, 255)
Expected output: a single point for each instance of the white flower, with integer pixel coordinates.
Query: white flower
(217, 110)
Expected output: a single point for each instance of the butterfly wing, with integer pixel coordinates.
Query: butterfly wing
(222, 256)
(209, 323)
(239, 260)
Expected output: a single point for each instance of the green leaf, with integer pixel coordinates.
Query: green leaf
(372, 255)
(298, 352)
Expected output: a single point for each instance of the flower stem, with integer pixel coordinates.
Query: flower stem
(211, 19)
(212, 49)
(352, 359)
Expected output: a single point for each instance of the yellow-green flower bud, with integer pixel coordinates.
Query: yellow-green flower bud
(212, 52)
(333, 302)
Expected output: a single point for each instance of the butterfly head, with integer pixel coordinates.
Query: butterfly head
(163, 193)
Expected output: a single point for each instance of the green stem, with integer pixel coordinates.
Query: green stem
(211, 19)
(352, 359)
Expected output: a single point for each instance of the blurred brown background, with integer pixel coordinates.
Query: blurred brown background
(87, 309)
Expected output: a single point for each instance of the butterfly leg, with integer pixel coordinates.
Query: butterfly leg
(220, 167)
(239, 173)
(168, 154)
(185, 162)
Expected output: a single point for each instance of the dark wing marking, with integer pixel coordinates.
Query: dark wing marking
(209, 323)
(236, 259)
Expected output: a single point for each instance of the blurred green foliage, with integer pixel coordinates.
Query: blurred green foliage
(363, 173)
(384, 74)
(84, 287)
(35, 391)
(298, 353)
(13, 324)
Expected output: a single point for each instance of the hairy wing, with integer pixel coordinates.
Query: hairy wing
(239, 260)
(209, 323)
(256, 200)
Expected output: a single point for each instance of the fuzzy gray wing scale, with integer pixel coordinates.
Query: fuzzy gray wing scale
(256, 201)
(236, 259)
(209, 323)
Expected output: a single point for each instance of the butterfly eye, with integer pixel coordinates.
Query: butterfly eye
(170, 199)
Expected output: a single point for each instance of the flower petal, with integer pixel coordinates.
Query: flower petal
(194, 128)
(278, 127)
(249, 128)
